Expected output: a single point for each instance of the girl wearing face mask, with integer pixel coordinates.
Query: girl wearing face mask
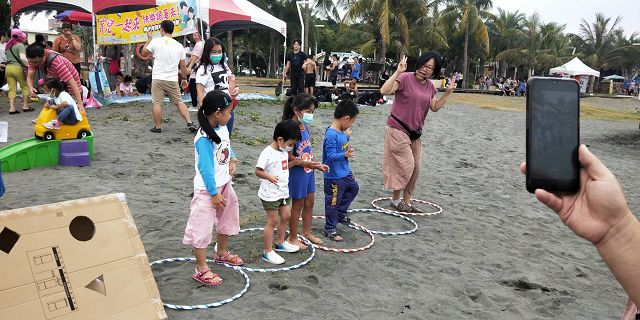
(302, 188)
(213, 73)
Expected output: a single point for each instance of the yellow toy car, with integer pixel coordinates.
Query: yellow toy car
(66, 132)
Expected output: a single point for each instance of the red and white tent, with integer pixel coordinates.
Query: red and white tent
(91, 6)
(227, 15)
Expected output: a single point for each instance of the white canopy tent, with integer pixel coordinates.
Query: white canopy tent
(575, 67)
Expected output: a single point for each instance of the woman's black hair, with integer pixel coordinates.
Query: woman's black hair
(300, 101)
(55, 83)
(287, 130)
(425, 57)
(205, 60)
(127, 78)
(215, 100)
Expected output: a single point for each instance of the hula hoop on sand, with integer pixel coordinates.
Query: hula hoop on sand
(348, 250)
(388, 233)
(295, 266)
(438, 211)
(208, 305)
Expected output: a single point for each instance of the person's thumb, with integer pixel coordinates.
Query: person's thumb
(592, 164)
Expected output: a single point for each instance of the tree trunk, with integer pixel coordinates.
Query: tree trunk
(307, 14)
(269, 60)
(230, 50)
(465, 67)
(503, 68)
(250, 64)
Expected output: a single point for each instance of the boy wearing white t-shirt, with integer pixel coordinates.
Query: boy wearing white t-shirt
(168, 56)
(273, 170)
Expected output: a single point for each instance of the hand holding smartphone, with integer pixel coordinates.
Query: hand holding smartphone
(553, 135)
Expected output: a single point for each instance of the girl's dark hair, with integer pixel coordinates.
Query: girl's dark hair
(346, 108)
(300, 101)
(205, 60)
(127, 78)
(215, 100)
(287, 130)
(55, 83)
(425, 57)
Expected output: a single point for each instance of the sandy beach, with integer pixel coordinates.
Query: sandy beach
(494, 252)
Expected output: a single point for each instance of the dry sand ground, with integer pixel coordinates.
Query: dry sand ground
(494, 253)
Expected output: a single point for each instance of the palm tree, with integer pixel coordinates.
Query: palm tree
(532, 50)
(388, 18)
(506, 33)
(598, 41)
(626, 56)
(469, 16)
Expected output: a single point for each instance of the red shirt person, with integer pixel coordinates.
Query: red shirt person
(56, 67)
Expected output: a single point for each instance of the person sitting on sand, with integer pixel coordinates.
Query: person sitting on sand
(214, 200)
(61, 101)
(340, 186)
(599, 213)
(302, 186)
(125, 88)
(415, 97)
(273, 170)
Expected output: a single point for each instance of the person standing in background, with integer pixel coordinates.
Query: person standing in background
(3, 56)
(295, 60)
(196, 54)
(68, 44)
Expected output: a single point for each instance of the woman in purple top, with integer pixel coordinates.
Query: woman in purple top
(414, 97)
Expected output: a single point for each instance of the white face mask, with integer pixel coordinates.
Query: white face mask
(286, 149)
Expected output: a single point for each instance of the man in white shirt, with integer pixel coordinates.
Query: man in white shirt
(168, 60)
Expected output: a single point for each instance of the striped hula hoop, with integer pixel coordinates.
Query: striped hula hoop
(295, 266)
(420, 214)
(348, 250)
(208, 305)
(387, 233)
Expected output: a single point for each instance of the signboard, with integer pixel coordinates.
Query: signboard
(132, 27)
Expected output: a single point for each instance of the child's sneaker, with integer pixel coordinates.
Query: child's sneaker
(53, 124)
(272, 257)
(287, 247)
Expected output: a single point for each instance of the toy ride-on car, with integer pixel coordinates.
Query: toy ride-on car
(77, 131)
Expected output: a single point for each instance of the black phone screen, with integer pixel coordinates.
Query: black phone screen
(553, 135)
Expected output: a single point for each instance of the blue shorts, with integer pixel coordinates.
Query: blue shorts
(301, 183)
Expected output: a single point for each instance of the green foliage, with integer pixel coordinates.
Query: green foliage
(5, 15)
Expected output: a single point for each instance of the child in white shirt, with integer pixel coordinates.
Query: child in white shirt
(273, 170)
(63, 103)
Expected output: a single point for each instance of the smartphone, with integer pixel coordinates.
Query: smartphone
(553, 135)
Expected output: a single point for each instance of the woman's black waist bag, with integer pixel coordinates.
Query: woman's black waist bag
(413, 134)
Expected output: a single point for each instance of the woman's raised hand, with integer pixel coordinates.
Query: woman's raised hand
(402, 66)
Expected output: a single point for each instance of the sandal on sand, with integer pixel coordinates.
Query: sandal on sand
(401, 207)
(335, 236)
(229, 258)
(215, 279)
(312, 238)
(14, 112)
(28, 109)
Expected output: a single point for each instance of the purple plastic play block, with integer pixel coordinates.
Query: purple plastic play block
(75, 159)
(69, 146)
(74, 153)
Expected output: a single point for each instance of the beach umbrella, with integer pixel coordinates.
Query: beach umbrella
(614, 77)
(75, 17)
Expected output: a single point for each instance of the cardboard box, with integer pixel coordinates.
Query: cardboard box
(75, 260)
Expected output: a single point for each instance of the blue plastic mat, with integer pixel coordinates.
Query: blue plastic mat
(185, 98)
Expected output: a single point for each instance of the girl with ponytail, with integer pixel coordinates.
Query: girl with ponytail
(214, 200)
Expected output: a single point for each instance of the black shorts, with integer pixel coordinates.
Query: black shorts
(309, 80)
(334, 79)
